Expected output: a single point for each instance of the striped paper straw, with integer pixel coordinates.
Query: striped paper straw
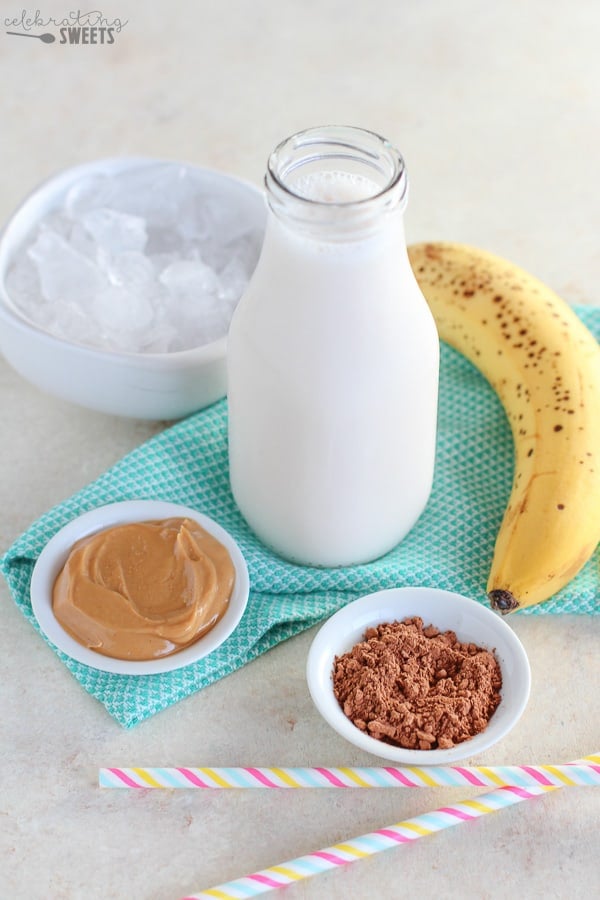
(374, 842)
(320, 777)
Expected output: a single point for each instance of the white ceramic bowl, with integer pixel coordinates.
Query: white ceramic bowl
(143, 386)
(54, 555)
(447, 611)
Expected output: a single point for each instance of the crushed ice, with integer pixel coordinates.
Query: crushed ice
(149, 260)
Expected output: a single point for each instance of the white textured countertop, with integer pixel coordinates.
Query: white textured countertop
(496, 109)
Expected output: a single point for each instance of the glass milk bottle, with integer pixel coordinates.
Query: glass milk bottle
(333, 358)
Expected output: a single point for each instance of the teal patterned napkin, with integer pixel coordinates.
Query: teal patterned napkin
(449, 548)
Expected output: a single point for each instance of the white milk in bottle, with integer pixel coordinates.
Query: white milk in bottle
(333, 358)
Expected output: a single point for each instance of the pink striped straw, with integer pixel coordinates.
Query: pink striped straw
(347, 777)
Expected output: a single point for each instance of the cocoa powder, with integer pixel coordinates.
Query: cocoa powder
(417, 687)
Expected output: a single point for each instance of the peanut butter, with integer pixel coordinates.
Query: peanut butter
(144, 590)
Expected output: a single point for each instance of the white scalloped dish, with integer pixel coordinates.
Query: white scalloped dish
(56, 551)
(448, 611)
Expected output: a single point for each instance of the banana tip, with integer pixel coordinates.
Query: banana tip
(502, 601)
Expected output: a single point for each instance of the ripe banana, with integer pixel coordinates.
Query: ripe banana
(545, 366)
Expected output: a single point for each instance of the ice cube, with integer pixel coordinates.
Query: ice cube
(63, 272)
(160, 261)
(22, 281)
(115, 231)
(81, 241)
(58, 221)
(164, 240)
(158, 192)
(192, 305)
(131, 270)
(208, 327)
(189, 280)
(72, 323)
(195, 223)
(122, 312)
(161, 338)
(23, 289)
(217, 252)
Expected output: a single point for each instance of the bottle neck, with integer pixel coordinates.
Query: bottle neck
(336, 183)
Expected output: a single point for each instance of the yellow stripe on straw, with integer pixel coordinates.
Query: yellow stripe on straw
(491, 775)
(288, 873)
(210, 773)
(418, 829)
(353, 776)
(560, 775)
(350, 850)
(215, 892)
(143, 775)
(477, 806)
(286, 777)
(426, 779)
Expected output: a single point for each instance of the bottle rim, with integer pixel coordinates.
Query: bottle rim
(348, 148)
